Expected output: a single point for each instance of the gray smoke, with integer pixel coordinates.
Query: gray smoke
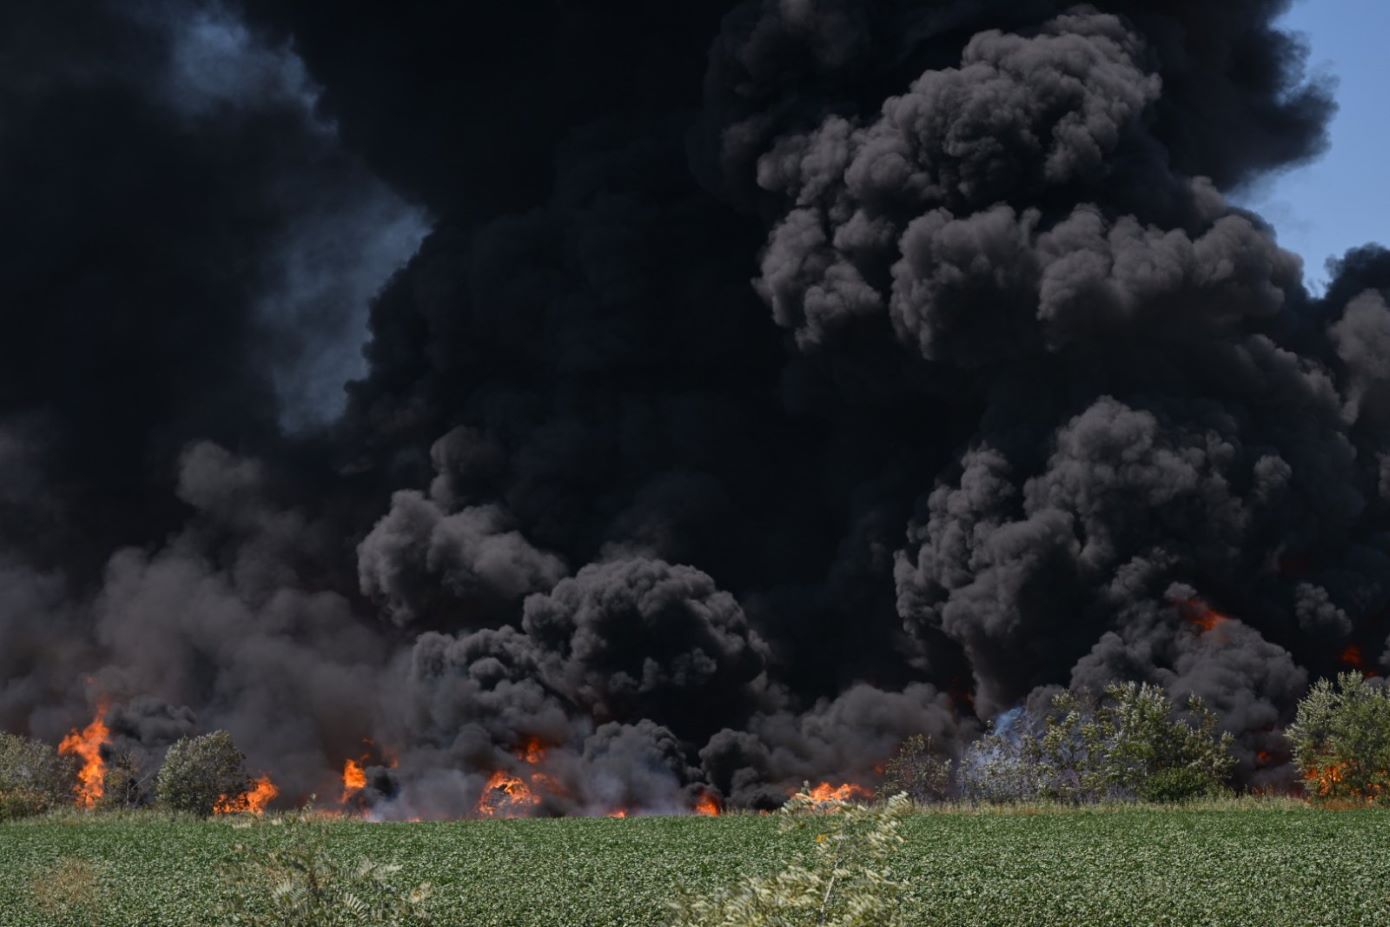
(775, 381)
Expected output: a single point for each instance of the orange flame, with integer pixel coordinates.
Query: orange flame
(533, 751)
(619, 813)
(86, 743)
(1323, 779)
(505, 796)
(252, 801)
(1352, 656)
(354, 779)
(846, 791)
(1202, 616)
(707, 805)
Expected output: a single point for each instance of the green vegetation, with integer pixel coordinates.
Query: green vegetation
(1341, 740)
(198, 771)
(1271, 864)
(917, 771)
(1130, 743)
(33, 777)
(852, 877)
(302, 883)
(1104, 810)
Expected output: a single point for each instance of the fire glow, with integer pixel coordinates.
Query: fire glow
(86, 744)
(506, 796)
(509, 796)
(1202, 616)
(354, 779)
(1324, 780)
(845, 791)
(253, 801)
(707, 805)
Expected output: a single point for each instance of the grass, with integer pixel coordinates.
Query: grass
(1239, 863)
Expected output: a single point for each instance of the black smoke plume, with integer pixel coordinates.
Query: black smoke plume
(775, 380)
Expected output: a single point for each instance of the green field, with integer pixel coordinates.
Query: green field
(1275, 866)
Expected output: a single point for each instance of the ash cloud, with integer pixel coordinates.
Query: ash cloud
(771, 382)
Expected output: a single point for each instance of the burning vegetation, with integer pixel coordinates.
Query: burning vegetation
(252, 801)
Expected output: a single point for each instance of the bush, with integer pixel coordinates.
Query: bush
(300, 884)
(124, 786)
(848, 881)
(198, 771)
(917, 772)
(34, 778)
(1341, 740)
(1130, 744)
(1002, 766)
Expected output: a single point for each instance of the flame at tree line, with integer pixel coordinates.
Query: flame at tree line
(846, 791)
(253, 801)
(520, 793)
(86, 744)
(510, 795)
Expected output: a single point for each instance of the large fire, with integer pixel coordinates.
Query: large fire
(707, 805)
(509, 796)
(252, 801)
(354, 779)
(506, 796)
(846, 791)
(86, 744)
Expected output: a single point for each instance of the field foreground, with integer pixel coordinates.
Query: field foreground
(1268, 867)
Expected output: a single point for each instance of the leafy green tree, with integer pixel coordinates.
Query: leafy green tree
(34, 777)
(1131, 743)
(1002, 766)
(916, 770)
(1341, 739)
(197, 771)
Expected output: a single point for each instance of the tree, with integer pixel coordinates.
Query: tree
(1341, 739)
(124, 786)
(33, 777)
(1131, 744)
(198, 771)
(918, 772)
(1002, 766)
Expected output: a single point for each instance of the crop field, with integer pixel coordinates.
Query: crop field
(1276, 866)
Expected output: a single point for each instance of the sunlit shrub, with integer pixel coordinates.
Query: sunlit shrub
(848, 880)
(1341, 740)
(197, 771)
(33, 777)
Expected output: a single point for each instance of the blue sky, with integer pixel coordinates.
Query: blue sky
(1342, 199)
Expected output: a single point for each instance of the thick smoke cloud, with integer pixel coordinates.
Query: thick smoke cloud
(775, 381)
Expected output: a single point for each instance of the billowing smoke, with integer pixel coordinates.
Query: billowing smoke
(772, 381)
